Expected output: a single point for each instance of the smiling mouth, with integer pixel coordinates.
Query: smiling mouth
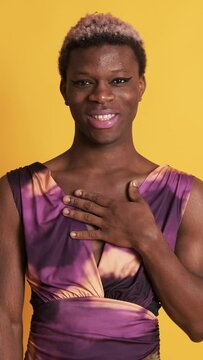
(102, 121)
(105, 117)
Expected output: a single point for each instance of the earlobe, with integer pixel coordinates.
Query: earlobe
(63, 91)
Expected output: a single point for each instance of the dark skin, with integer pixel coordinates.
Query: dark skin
(177, 278)
(105, 159)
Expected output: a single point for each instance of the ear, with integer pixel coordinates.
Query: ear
(63, 91)
(142, 86)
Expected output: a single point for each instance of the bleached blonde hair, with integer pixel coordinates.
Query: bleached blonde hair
(98, 29)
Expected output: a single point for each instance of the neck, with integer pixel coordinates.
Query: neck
(108, 156)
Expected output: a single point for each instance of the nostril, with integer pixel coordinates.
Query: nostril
(101, 97)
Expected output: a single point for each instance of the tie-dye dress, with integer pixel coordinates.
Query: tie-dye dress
(83, 310)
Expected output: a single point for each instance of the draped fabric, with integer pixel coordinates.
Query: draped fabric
(83, 310)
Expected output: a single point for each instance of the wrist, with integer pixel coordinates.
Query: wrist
(152, 238)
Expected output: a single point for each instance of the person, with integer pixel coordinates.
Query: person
(104, 235)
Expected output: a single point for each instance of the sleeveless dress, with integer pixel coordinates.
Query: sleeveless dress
(83, 310)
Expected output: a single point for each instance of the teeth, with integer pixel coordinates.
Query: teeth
(104, 117)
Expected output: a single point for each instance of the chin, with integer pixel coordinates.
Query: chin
(101, 137)
(104, 141)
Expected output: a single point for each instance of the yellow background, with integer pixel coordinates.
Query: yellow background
(35, 124)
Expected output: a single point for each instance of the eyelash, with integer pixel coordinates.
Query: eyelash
(119, 81)
(82, 83)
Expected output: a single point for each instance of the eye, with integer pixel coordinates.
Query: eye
(120, 80)
(82, 83)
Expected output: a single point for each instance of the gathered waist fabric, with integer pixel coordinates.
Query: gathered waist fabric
(92, 328)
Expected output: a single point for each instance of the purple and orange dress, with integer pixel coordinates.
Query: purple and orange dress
(83, 310)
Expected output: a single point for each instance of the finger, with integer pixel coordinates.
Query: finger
(133, 191)
(84, 204)
(93, 196)
(87, 235)
(82, 216)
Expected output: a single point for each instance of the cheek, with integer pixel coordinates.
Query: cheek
(75, 97)
(77, 108)
(130, 95)
(74, 100)
(131, 105)
(130, 100)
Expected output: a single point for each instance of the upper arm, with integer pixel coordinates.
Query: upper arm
(12, 258)
(189, 245)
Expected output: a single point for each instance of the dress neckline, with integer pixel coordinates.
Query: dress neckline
(153, 174)
(150, 176)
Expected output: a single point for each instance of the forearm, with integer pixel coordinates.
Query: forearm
(180, 291)
(11, 345)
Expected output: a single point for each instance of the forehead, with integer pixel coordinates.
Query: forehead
(105, 58)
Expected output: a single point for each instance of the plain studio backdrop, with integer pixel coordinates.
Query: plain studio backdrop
(35, 124)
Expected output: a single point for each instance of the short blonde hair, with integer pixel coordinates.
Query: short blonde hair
(98, 29)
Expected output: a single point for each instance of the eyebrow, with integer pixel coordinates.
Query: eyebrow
(119, 70)
(84, 73)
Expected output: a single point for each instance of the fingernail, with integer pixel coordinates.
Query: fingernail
(66, 211)
(78, 192)
(73, 234)
(134, 184)
(66, 199)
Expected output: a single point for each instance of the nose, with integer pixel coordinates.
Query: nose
(101, 93)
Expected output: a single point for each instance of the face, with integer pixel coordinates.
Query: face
(103, 89)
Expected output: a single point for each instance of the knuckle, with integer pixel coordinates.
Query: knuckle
(86, 217)
(81, 234)
(93, 234)
(95, 197)
(98, 199)
(101, 223)
(88, 205)
(73, 201)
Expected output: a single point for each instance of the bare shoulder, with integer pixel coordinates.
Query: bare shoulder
(11, 233)
(189, 246)
(7, 203)
(194, 209)
(59, 162)
(10, 223)
(5, 192)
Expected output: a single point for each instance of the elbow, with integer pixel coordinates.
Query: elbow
(196, 337)
(193, 329)
(195, 333)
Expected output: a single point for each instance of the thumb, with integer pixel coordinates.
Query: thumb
(133, 191)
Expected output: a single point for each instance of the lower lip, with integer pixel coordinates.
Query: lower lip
(107, 124)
